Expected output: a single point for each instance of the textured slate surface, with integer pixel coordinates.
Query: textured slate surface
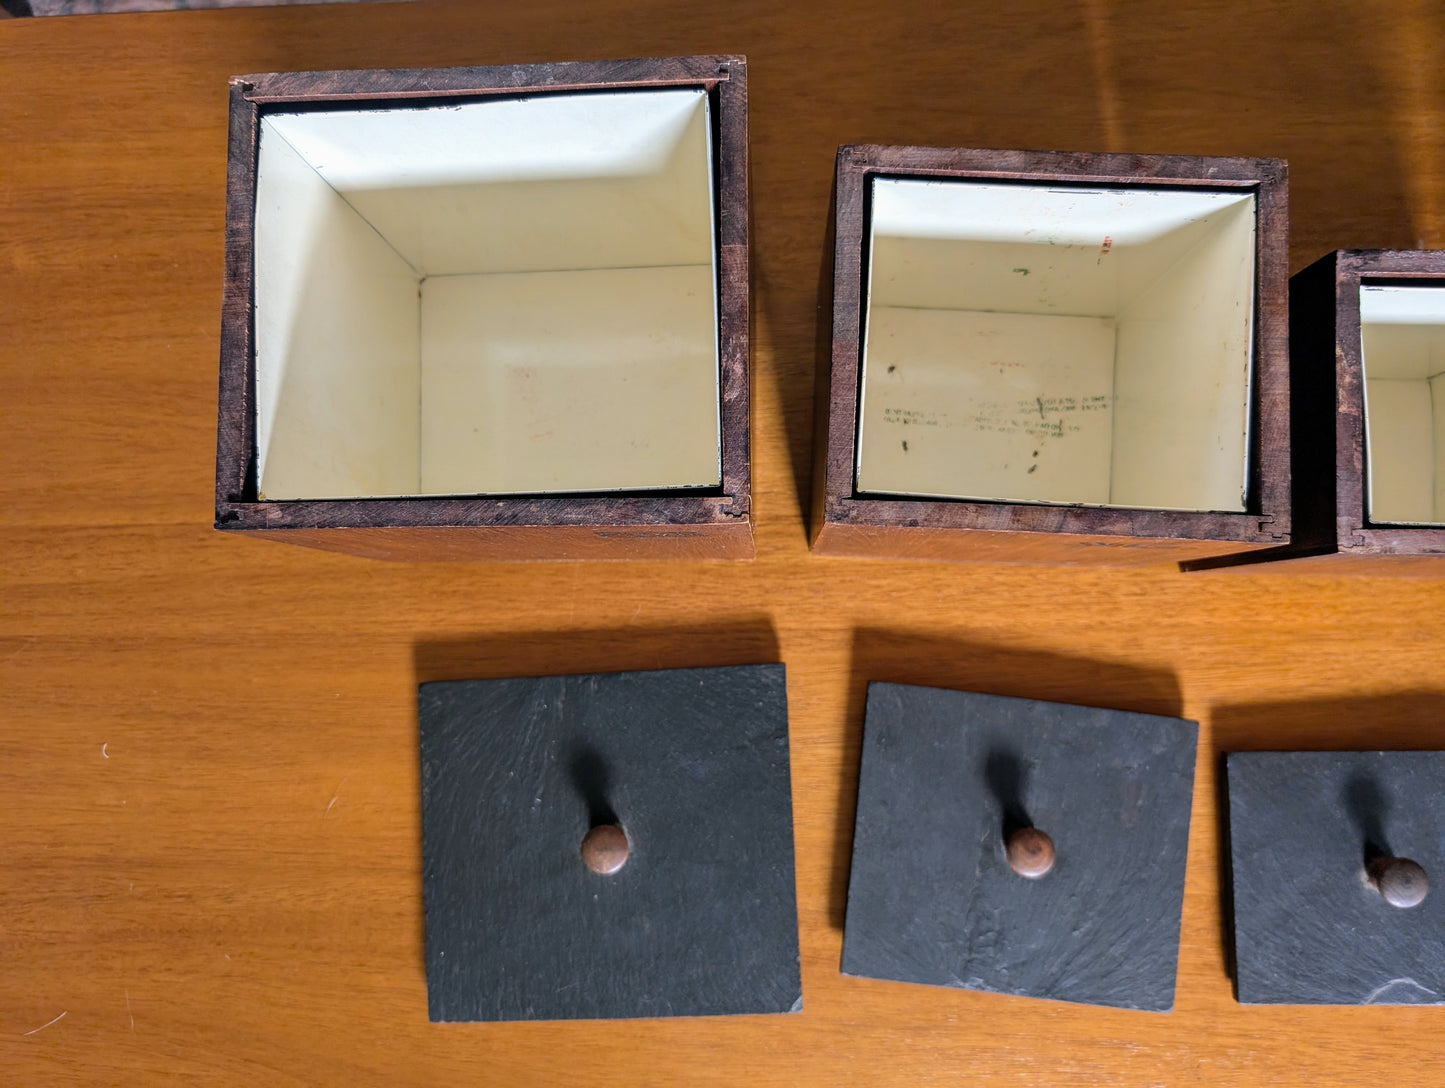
(693, 763)
(1308, 929)
(945, 776)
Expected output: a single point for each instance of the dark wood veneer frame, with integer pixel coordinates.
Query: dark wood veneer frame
(1328, 361)
(847, 523)
(715, 523)
(107, 7)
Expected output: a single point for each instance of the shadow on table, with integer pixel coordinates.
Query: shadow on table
(494, 655)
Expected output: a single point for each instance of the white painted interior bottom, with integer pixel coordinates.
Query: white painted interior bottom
(577, 381)
(999, 379)
(1037, 344)
(1402, 332)
(497, 298)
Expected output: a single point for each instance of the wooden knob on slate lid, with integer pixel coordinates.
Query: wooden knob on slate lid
(1030, 852)
(604, 849)
(1400, 881)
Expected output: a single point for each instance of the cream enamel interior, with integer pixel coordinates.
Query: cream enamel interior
(1402, 339)
(1031, 343)
(513, 296)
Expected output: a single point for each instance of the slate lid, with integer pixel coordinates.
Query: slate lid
(691, 763)
(1309, 928)
(946, 775)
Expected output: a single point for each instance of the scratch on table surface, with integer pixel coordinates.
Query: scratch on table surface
(128, 1012)
(335, 796)
(42, 1027)
(1380, 991)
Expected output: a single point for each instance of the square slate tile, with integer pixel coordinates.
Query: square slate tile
(931, 896)
(1309, 927)
(691, 763)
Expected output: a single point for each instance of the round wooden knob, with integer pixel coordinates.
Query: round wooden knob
(1400, 881)
(604, 849)
(1030, 852)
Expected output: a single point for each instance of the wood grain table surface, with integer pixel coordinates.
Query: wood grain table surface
(209, 803)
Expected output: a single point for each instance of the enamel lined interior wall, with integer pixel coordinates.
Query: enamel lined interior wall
(500, 297)
(338, 361)
(1037, 344)
(1402, 333)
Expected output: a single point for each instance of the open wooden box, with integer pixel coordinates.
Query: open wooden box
(489, 312)
(1054, 357)
(1367, 336)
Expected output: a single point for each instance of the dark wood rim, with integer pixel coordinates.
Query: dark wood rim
(350, 84)
(105, 7)
(1354, 532)
(1268, 521)
(724, 77)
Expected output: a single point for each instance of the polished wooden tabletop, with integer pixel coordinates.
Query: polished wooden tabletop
(209, 802)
